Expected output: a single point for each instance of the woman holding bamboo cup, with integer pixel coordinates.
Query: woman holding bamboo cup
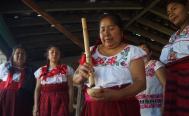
(118, 72)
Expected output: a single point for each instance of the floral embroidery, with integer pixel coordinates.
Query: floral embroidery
(114, 60)
(125, 53)
(172, 55)
(178, 35)
(100, 60)
(150, 69)
(123, 63)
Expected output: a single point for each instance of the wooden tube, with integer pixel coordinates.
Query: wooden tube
(87, 50)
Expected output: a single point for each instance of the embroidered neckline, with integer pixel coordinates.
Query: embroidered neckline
(179, 34)
(113, 60)
(101, 55)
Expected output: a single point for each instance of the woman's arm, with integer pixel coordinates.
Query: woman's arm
(36, 98)
(161, 75)
(137, 70)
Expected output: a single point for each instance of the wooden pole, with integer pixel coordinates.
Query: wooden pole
(87, 50)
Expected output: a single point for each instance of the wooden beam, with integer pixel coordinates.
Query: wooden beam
(142, 13)
(54, 6)
(54, 22)
(93, 31)
(29, 21)
(159, 12)
(21, 32)
(147, 34)
(33, 40)
(43, 38)
(155, 26)
(37, 21)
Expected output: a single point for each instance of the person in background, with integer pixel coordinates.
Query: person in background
(16, 85)
(53, 92)
(176, 56)
(151, 99)
(119, 73)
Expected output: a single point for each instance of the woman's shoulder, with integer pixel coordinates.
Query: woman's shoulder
(135, 49)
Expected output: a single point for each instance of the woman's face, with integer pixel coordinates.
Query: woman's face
(19, 57)
(145, 48)
(177, 13)
(110, 33)
(54, 55)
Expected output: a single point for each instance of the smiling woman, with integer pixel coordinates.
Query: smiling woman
(119, 73)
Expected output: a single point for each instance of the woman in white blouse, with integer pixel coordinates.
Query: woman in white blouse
(54, 87)
(176, 57)
(119, 73)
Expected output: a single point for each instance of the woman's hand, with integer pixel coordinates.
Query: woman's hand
(82, 73)
(104, 94)
(35, 111)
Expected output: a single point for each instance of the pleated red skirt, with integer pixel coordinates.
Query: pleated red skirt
(125, 107)
(177, 88)
(10, 103)
(54, 100)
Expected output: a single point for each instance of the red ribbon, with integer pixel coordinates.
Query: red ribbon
(62, 69)
(10, 79)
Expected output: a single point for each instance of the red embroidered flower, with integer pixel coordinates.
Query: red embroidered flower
(150, 72)
(100, 60)
(112, 60)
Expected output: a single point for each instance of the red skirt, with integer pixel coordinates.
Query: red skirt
(125, 107)
(54, 100)
(10, 104)
(177, 88)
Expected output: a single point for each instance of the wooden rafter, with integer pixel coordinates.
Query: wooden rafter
(72, 6)
(142, 12)
(54, 22)
(155, 26)
(147, 34)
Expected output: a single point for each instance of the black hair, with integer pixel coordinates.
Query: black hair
(19, 46)
(47, 51)
(146, 44)
(117, 21)
(114, 17)
(182, 2)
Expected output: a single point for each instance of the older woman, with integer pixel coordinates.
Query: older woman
(119, 73)
(16, 85)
